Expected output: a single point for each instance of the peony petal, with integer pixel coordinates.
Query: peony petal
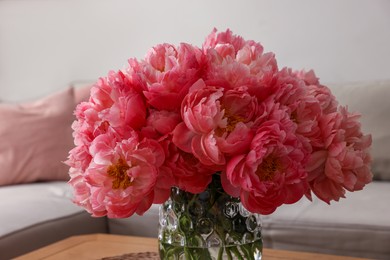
(182, 137)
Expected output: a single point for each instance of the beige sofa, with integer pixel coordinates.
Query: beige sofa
(39, 212)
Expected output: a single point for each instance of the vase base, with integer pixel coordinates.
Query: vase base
(250, 251)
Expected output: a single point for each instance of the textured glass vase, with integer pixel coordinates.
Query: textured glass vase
(208, 225)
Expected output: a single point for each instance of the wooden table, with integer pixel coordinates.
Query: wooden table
(97, 246)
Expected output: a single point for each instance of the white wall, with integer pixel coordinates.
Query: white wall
(46, 44)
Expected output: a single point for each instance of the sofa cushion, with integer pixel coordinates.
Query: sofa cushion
(371, 100)
(35, 138)
(34, 215)
(358, 225)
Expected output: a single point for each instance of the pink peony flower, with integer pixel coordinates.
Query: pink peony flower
(79, 158)
(160, 123)
(114, 103)
(320, 92)
(128, 108)
(216, 123)
(273, 172)
(189, 173)
(168, 73)
(121, 176)
(234, 63)
(201, 113)
(301, 104)
(84, 129)
(165, 181)
(221, 41)
(201, 109)
(343, 162)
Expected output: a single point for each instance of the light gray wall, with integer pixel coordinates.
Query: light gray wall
(46, 44)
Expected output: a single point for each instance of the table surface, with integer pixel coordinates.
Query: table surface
(97, 246)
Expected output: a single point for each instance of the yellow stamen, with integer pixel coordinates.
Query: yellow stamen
(232, 121)
(118, 172)
(267, 169)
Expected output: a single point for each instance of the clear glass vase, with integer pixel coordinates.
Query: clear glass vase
(208, 225)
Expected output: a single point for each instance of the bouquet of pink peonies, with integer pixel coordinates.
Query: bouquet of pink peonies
(184, 114)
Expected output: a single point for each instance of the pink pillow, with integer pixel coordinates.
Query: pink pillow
(35, 139)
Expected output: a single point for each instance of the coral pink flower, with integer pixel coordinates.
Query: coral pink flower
(164, 183)
(234, 62)
(273, 172)
(320, 92)
(201, 113)
(79, 158)
(189, 173)
(343, 163)
(84, 128)
(301, 104)
(81, 190)
(128, 106)
(309, 77)
(121, 176)
(218, 40)
(115, 103)
(160, 123)
(201, 109)
(169, 72)
(216, 123)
